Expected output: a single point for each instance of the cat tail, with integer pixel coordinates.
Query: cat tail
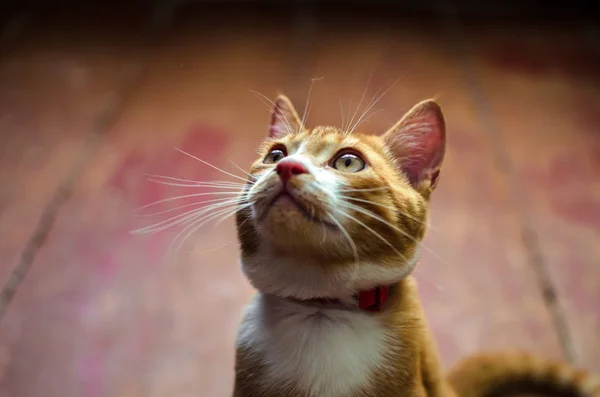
(494, 374)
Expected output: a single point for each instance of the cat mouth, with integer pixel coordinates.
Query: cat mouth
(286, 198)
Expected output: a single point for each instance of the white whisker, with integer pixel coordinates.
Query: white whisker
(349, 110)
(389, 207)
(383, 206)
(163, 225)
(212, 166)
(191, 181)
(212, 250)
(191, 228)
(342, 112)
(323, 189)
(218, 200)
(306, 109)
(286, 123)
(348, 129)
(188, 196)
(197, 224)
(195, 184)
(367, 118)
(182, 218)
(364, 190)
(379, 236)
(347, 235)
(244, 171)
(371, 106)
(376, 217)
(239, 208)
(361, 99)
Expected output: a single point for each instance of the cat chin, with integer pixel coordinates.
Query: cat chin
(293, 231)
(289, 216)
(290, 277)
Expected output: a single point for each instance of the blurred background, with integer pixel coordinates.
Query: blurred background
(95, 95)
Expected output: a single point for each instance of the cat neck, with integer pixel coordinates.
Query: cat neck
(305, 280)
(371, 300)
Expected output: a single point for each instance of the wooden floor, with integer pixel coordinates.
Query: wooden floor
(90, 102)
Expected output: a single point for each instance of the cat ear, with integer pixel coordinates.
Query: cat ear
(284, 119)
(418, 142)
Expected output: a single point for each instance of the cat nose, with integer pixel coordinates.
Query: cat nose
(288, 167)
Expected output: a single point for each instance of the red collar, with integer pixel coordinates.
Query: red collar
(370, 300)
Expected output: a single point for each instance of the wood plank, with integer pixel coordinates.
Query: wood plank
(55, 80)
(543, 89)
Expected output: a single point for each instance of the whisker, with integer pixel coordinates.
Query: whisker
(389, 207)
(426, 279)
(218, 200)
(195, 184)
(212, 166)
(191, 181)
(383, 206)
(367, 118)
(323, 189)
(342, 112)
(213, 249)
(306, 109)
(379, 236)
(190, 229)
(244, 171)
(373, 104)
(376, 217)
(187, 196)
(286, 122)
(361, 99)
(367, 107)
(242, 224)
(182, 218)
(239, 208)
(349, 110)
(193, 227)
(347, 235)
(363, 190)
(342, 196)
(157, 227)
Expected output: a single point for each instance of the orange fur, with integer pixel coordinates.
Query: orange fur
(504, 372)
(345, 232)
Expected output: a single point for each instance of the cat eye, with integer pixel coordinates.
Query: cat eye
(349, 163)
(274, 156)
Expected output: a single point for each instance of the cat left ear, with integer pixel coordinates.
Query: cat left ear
(418, 143)
(284, 118)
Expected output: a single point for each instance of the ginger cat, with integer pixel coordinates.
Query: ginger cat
(329, 237)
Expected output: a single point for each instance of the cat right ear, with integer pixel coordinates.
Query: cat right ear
(284, 119)
(418, 143)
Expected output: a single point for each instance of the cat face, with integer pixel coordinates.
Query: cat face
(333, 212)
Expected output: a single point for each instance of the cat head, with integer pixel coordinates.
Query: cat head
(333, 212)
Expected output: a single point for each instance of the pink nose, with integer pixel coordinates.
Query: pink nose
(287, 168)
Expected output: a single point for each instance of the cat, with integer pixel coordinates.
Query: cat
(329, 233)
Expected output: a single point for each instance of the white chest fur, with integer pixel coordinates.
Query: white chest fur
(325, 352)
